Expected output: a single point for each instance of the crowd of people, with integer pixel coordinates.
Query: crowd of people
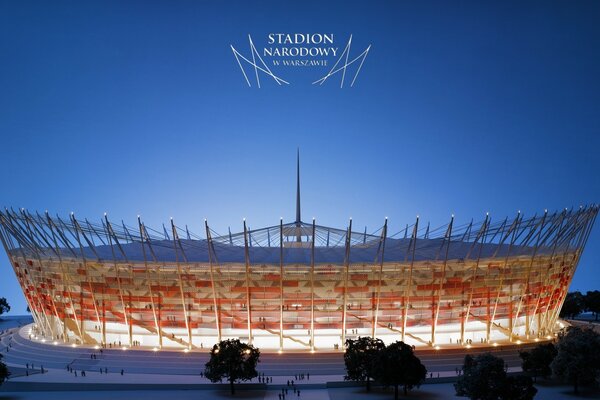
(83, 372)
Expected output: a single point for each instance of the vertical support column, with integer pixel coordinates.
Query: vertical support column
(183, 297)
(68, 244)
(213, 259)
(103, 319)
(85, 264)
(143, 239)
(346, 273)
(525, 291)
(312, 289)
(8, 241)
(281, 284)
(544, 278)
(36, 278)
(130, 306)
(511, 316)
(159, 280)
(556, 289)
(481, 235)
(66, 287)
(413, 243)
(512, 230)
(111, 237)
(488, 315)
(590, 216)
(439, 295)
(35, 239)
(8, 247)
(378, 297)
(92, 232)
(248, 297)
(82, 319)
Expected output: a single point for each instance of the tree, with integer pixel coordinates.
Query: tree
(519, 387)
(397, 365)
(592, 302)
(232, 360)
(360, 358)
(537, 361)
(3, 371)
(573, 305)
(484, 378)
(4, 306)
(578, 358)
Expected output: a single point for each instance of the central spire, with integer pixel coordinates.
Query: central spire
(298, 219)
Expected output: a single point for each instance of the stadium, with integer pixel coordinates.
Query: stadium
(296, 285)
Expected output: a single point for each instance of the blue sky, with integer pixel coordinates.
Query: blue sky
(140, 108)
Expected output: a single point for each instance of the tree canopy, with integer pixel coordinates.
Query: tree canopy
(592, 302)
(578, 357)
(232, 360)
(519, 387)
(4, 306)
(360, 359)
(484, 378)
(3, 371)
(536, 362)
(573, 305)
(397, 365)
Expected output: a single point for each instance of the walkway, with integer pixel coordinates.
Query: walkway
(147, 367)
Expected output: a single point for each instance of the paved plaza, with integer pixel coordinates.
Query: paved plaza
(176, 374)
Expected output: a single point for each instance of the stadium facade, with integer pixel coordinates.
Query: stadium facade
(295, 285)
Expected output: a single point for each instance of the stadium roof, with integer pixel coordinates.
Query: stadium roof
(35, 235)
